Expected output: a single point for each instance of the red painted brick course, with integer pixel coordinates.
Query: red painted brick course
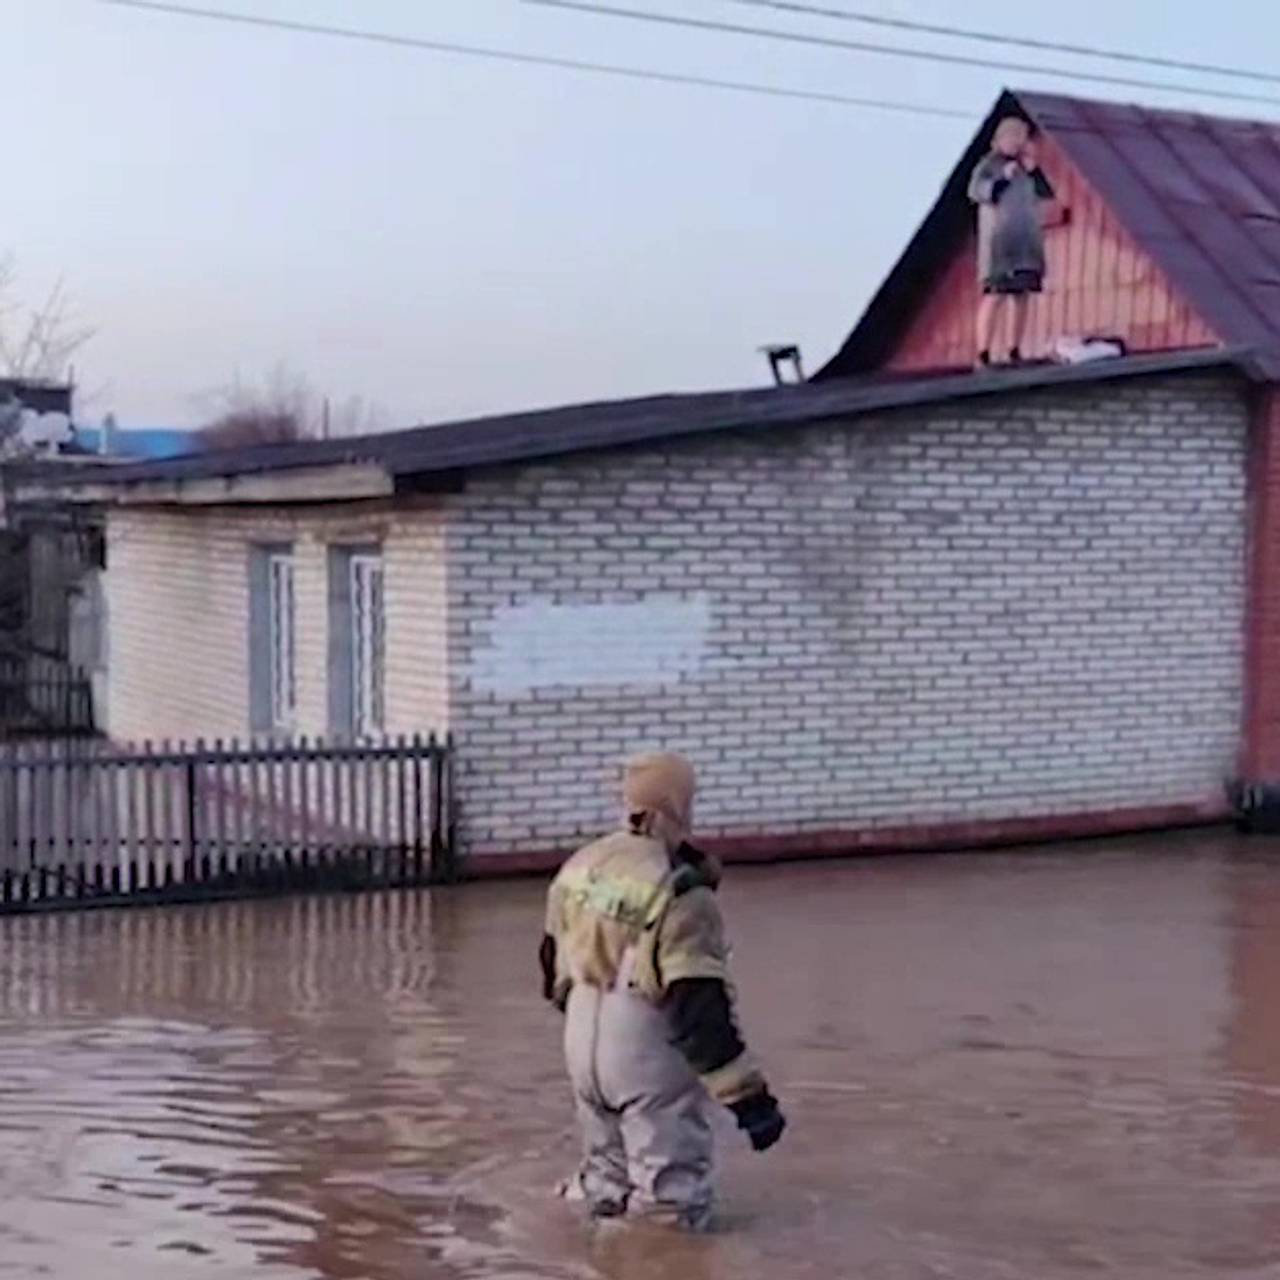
(925, 838)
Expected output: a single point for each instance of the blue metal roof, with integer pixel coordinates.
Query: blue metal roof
(145, 444)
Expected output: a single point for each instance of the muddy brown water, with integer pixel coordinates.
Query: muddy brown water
(1042, 1065)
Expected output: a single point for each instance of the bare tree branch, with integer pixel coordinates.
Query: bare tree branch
(37, 342)
(284, 406)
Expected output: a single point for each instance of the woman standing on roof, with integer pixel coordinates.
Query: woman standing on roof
(1010, 190)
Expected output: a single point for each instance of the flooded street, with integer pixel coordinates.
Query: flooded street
(1041, 1065)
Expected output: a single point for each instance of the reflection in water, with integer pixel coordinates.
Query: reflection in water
(1253, 1035)
(995, 1066)
(266, 1085)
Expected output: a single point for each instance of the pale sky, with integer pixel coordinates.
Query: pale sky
(446, 236)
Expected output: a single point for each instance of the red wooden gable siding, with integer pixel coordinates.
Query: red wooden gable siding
(1098, 282)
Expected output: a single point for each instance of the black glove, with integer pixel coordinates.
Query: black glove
(758, 1116)
(701, 867)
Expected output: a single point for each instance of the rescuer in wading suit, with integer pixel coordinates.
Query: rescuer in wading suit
(634, 952)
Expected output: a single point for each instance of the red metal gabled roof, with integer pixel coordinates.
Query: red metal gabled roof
(1200, 195)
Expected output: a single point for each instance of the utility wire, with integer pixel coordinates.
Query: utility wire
(990, 37)
(535, 59)
(896, 51)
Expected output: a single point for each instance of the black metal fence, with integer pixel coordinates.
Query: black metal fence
(42, 696)
(89, 824)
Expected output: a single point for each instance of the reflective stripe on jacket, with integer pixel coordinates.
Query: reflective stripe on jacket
(623, 915)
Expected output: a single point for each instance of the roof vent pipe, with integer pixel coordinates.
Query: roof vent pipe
(780, 358)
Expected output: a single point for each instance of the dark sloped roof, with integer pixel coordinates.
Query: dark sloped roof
(1200, 194)
(548, 433)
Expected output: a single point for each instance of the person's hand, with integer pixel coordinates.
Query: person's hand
(704, 868)
(760, 1118)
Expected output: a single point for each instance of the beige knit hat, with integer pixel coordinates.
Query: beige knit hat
(661, 783)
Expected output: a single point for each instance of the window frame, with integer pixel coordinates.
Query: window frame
(357, 647)
(367, 612)
(273, 659)
(282, 641)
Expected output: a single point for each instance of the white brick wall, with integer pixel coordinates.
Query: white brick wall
(177, 607)
(998, 609)
(178, 602)
(986, 610)
(414, 570)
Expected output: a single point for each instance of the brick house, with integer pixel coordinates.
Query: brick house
(898, 606)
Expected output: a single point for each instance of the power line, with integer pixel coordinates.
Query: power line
(536, 59)
(991, 37)
(895, 51)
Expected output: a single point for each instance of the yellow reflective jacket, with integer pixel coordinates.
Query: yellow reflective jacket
(621, 914)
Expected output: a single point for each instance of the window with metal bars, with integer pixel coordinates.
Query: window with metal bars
(357, 642)
(284, 677)
(368, 646)
(273, 678)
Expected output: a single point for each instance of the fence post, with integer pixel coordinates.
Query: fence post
(191, 812)
(436, 759)
(450, 809)
(416, 807)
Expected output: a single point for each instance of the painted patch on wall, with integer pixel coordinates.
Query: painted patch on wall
(540, 644)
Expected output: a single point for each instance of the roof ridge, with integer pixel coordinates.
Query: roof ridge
(1133, 105)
